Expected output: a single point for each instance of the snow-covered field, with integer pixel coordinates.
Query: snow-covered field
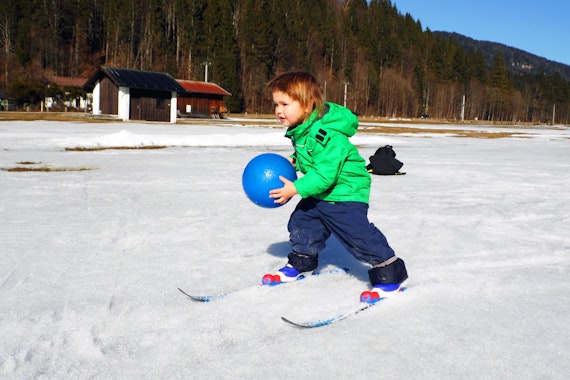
(90, 260)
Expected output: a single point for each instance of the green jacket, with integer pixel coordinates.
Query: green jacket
(333, 169)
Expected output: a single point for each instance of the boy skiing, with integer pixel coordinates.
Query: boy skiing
(335, 188)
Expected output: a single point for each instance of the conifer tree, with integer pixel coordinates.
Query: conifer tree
(222, 52)
(501, 88)
(257, 41)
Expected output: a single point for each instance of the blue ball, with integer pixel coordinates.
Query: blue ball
(262, 174)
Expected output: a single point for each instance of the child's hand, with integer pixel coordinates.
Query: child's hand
(285, 193)
(292, 161)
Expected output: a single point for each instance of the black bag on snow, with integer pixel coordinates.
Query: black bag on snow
(384, 162)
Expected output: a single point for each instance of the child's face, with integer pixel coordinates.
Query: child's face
(289, 112)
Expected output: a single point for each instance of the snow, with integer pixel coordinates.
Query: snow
(91, 259)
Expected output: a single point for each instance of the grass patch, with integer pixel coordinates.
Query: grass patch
(95, 149)
(44, 169)
(30, 166)
(57, 116)
(28, 163)
(389, 130)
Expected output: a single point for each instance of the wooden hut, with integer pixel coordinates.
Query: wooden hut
(201, 99)
(73, 95)
(134, 94)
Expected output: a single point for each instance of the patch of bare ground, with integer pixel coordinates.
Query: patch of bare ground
(57, 116)
(95, 149)
(31, 166)
(43, 169)
(457, 132)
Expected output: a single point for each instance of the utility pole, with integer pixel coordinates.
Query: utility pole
(206, 64)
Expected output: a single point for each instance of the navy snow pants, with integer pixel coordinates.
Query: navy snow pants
(314, 220)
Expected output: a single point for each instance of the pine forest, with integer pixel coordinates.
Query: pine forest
(366, 54)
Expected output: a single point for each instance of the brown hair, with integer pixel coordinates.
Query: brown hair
(300, 86)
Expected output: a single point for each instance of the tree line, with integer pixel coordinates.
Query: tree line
(366, 54)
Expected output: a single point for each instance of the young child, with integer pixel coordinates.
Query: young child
(335, 188)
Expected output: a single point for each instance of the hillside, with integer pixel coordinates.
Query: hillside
(367, 55)
(517, 61)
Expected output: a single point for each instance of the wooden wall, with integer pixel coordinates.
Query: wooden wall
(150, 105)
(201, 104)
(109, 102)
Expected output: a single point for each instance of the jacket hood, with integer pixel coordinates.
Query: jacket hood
(340, 119)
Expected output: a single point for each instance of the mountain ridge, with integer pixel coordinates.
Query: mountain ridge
(518, 62)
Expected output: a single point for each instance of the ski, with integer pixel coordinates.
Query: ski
(203, 298)
(216, 297)
(328, 321)
(338, 317)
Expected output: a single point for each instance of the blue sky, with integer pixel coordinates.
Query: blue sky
(538, 27)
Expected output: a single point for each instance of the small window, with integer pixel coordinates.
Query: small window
(160, 103)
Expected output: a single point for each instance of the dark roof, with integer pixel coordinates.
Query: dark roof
(143, 80)
(202, 87)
